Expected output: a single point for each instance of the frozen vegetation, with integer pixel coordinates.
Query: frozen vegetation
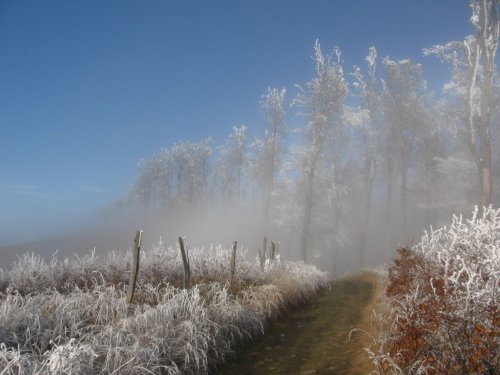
(376, 157)
(352, 163)
(70, 316)
(442, 314)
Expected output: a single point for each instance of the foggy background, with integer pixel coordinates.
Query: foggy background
(339, 154)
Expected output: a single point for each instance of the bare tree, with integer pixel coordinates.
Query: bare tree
(190, 169)
(323, 99)
(473, 69)
(368, 93)
(152, 188)
(173, 177)
(403, 120)
(272, 107)
(230, 164)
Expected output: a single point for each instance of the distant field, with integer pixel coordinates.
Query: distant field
(66, 245)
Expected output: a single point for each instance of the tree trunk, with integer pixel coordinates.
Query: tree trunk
(485, 176)
(306, 222)
(369, 176)
(404, 196)
(388, 220)
(486, 186)
(233, 264)
(305, 233)
(269, 181)
(364, 228)
(334, 243)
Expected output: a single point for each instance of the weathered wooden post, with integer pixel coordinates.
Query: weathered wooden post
(262, 254)
(185, 263)
(262, 260)
(233, 264)
(264, 248)
(134, 269)
(273, 250)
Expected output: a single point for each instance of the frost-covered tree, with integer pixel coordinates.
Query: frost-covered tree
(472, 64)
(230, 164)
(267, 163)
(173, 178)
(152, 188)
(404, 119)
(191, 169)
(323, 100)
(368, 122)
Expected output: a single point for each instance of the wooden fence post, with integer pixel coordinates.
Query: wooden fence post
(273, 250)
(233, 264)
(185, 263)
(134, 269)
(264, 248)
(262, 254)
(259, 256)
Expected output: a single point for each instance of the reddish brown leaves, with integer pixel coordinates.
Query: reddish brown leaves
(435, 329)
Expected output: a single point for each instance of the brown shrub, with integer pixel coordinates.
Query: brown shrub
(435, 329)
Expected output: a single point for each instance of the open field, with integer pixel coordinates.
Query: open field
(70, 316)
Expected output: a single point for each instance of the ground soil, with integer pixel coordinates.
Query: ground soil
(314, 338)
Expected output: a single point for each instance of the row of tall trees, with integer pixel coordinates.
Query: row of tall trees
(474, 88)
(394, 153)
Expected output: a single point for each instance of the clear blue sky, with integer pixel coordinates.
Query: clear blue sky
(87, 88)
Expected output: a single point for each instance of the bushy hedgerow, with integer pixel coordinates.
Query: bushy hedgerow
(70, 316)
(444, 307)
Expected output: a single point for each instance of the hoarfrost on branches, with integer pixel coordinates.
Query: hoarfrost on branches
(445, 311)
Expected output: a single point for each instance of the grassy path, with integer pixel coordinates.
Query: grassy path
(313, 339)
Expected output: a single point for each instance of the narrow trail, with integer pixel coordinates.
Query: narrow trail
(313, 339)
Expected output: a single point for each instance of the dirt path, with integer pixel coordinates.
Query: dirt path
(313, 339)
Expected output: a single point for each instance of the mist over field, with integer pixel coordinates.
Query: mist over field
(179, 179)
(339, 164)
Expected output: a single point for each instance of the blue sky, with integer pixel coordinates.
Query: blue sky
(87, 88)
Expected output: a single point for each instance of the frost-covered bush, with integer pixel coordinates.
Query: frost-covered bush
(70, 316)
(445, 307)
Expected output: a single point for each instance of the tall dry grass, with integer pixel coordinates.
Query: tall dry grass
(69, 316)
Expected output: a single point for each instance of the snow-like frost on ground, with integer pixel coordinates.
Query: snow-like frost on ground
(70, 316)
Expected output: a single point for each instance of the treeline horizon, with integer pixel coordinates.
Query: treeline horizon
(378, 159)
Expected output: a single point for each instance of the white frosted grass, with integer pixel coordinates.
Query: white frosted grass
(32, 274)
(70, 316)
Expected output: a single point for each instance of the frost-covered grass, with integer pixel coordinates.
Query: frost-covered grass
(70, 316)
(441, 313)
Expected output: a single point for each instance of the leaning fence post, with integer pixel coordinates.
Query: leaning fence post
(233, 264)
(262, 254)
(264, 248)
(185, 263)
(262, 260)
(134, 270)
